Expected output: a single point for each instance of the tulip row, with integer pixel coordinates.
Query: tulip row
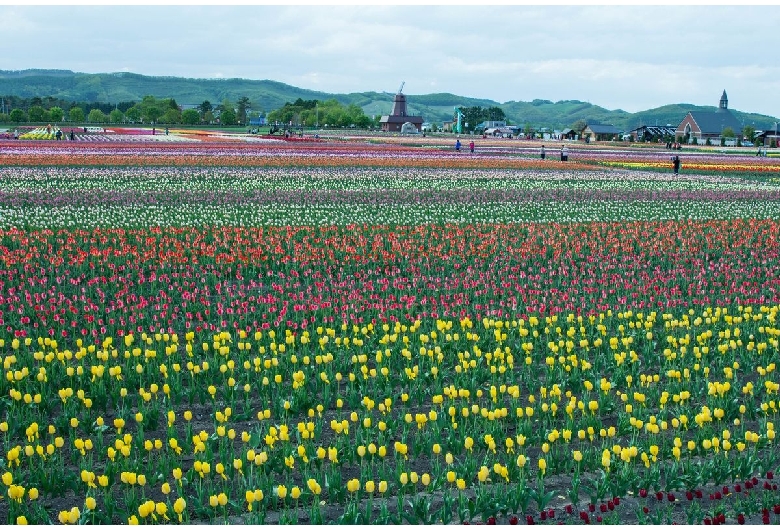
(672, 401)
(245, 180)
(333, 366)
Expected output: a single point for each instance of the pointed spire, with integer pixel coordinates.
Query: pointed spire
(724, 100)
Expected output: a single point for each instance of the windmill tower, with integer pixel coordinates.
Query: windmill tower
(399, 102)
(399, 115)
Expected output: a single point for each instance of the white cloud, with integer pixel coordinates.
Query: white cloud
(627, 57)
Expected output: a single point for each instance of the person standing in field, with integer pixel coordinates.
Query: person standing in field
(471, 146)
(676, 164)
(541, 153)
(564, 153)
(457, 145)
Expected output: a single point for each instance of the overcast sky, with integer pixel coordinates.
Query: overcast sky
(617, 57)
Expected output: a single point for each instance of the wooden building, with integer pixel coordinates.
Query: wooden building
(599, 132)
(568, 134)
(398, 117)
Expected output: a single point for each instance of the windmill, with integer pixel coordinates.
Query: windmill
(399, 116)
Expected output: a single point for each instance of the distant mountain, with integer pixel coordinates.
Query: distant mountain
(268, 95)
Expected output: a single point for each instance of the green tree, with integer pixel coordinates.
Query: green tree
(228, 117)
(172, 116)
(728, 132)
(190, 117)
(152, 108)
(336, 117)
(242, 106)
(362, 121)
(495, 114)
(133, 114)
(18, 115)
(749, 133)
(116, 116)
(36, 114)
(304, 112)
(152, 114)
(57, 114)
(96, 116)
(472, 116)
(76, 114)
(354, 115)
(208, 117)
(205, 107)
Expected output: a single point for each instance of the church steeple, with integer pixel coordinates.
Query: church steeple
(724, 101)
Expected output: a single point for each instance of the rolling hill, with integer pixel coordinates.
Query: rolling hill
(268, 95)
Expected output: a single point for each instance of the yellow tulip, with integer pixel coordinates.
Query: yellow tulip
(179, 506)
(313, 486)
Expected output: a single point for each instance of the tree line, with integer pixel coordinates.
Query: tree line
(150, 109)
(167, 111)
(315, 113)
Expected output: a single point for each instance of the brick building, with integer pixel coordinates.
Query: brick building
(708, 125)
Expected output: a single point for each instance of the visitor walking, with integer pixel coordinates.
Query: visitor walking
(676, 164)
(471, 146)
(541, 153)
(564, 153)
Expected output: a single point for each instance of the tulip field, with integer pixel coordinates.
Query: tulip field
(381, 330)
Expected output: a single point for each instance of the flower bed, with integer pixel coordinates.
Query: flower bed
(369, 334)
